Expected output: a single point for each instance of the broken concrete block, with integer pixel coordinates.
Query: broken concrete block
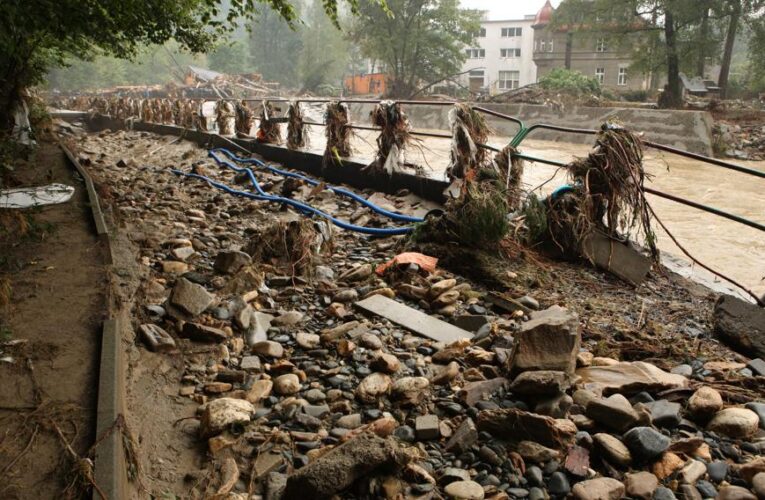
(516, 425)
(741, 325)
(473, 392)
(203, 333)
(548, 341)
(155, 338)
(629, 378)
(616, 257)
(338, 469)
(463, 438)
(426, 427)
(190, 297)
(231, 261)
(220, 413)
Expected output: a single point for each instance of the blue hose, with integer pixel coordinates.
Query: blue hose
(263, 196)
(312, 182)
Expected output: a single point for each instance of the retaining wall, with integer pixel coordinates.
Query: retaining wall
(688, 130)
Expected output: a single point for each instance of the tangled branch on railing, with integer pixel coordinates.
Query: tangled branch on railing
(395, 135)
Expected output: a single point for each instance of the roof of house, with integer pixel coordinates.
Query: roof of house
(544, 16)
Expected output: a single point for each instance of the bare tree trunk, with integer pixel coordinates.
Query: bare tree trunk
(569, 47)
(702, 43)
(673, 93)
(730, 40)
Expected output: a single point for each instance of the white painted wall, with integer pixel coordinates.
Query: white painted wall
(493, 62)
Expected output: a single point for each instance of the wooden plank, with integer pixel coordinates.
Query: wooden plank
(412, 319)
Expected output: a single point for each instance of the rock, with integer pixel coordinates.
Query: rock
(452, 474)
(641, 485)
(410, 390)
(345, 296)
(174, 267)
(693, 471)
(288, 318)
(717, 471)
(231, 261)
(603, 488)
(441, 287)
(629, 378)
(646, 443)
(463, 438)
(473, 392)
(250, 363)
(352, 421)
(706, 489)
(386, 363)
(372, 387)
(268, 348)
(323, 273)
(515, 425)
(338, 469)
(203, 333)
(758, 484)
(667, 465)
(759, 409)
(664, 414)
(705, 402)
(614, 412)
(259, 325)
(757, 366)
(190, 297)
(464, 490)
(287, 384)
(221, 413)
(555, 406)
(446, 374)
(548, 341)
(735, 423)
(540, 383)
(748, 470)
(275, 484)
(730, 492)
(358, 273)
(684, 370)
(663, 493)
(741, 325)
(536, 453)
(260, 390)
(613, 449)
(472, 322)
(308, 341)
(558, 484)
(155, 338)
(426, 427)
(370, 341)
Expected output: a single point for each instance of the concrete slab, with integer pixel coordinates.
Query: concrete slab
(616, 257)
(412, 319)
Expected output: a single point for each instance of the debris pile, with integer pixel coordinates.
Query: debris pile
(744, 141)
(316, 373)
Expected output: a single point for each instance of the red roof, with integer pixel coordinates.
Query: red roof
(544, 16)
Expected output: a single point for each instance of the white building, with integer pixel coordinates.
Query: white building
(502, 57)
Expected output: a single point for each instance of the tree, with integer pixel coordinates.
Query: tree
(231, 58)
(324, 56)
(422, 40)
(39, 34)
(275, 45)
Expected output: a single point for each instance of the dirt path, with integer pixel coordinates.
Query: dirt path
(52, 339)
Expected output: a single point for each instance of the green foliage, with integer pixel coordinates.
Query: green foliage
(480, 219)
(323, 58)
(423, 40)
(39, 34)
(570, 82)
(231, 58)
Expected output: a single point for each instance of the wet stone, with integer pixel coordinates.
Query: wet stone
(664, 414)
(558, 484)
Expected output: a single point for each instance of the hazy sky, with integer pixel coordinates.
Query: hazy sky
(507, 9)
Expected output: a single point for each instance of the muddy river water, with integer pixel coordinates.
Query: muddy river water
(724, 245)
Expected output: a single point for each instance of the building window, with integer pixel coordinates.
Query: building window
(509, 80)
(508, 53)
(550, 46)
(600, 74)
(475, 53)
(481, 33)
(622, 77)
(476, 73)
(601, 45)
(511, 32)
(543, 46)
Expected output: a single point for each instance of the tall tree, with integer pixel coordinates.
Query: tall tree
(324, 56)
(275, 46)
(422, 40)
(38, 34)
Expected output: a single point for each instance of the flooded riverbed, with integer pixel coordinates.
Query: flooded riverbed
(724, 245)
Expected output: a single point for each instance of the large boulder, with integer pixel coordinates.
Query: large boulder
(548, 341)
(741, 325)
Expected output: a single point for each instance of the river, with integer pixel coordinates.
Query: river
(727, 246)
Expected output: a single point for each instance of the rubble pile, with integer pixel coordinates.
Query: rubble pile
(742, 141)
(572, 386)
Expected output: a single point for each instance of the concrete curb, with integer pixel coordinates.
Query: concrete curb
(110, 466)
